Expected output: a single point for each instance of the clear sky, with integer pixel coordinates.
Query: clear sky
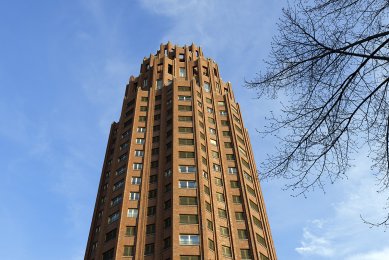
(63, 69)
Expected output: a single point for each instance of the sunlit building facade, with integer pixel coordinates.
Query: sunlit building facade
(179, 179)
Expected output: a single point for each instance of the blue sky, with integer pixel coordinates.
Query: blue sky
(63, 69)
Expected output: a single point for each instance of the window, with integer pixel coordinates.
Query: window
(210, 110)
(250, 190)
(140, 140)
(115, 201)
(149, 249)
(188, 219)
(128, 250)
(130, 231)
(134, 195)
(225, 123)
(242, 234)
(226, 133)
(118, 185)
(206, 190)
(183, 141)
(218, 182)
(155, 139)
(248, 176)
(184, 108)
(213, 142)
(166, 242)
(234, 184)
(167, 222)
(141, 129)
(143, 108)
(204, 160)
(216, 167)
(189, 201)
(212, 131)
(185, 118)
(224, 231)
(152, 194)
(184, 88)
(230, 157)
(154, 164)
(223, 113)
(157, 107)
(136, 180)
(155, 151)
(190, 257)
(168, 187)
(151, 211)
(144, 99)
(257, 222)
(150, 229)
(137, 166)
(211, 244)
(205, 175)
(210, 225)
(232, 170)
(228, 145)
(215, 154)
(139, 153)
(263, 257)
(186, 154)
(254, 206)
(185, 129)
(142, 119)
(126, 133)
(184, 98)
(170, 69)
(122, 157)
(157, 117)
(110, 235)
(211, 120)
(187, 168)
(239, 216)
(124, 146)
(114, 217)
(187, 184)
(226, 251)
(182, 72)
(261, 240)
(207, 87)
(208, 100)
(132, 213)
(145, 83)
(108, 255)
(189, 240)
(208, 206)
(246, 164)
(245, 254)
(222, 213)
(121, 170)
(203, 148)
(153, 178)
(159, 84)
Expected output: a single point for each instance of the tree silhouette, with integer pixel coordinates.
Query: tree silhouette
(330, 60)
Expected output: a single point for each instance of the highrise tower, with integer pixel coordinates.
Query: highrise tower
(179, 179)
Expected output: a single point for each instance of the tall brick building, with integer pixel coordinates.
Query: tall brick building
(179, 179)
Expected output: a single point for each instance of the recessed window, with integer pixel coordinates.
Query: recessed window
(211, 120)
(140, 140)
(210, 225)
(228, 145)
(208, 206)
(134, 195)
(118, 185)
(254, 206)
(190, 257)
(121, 170)
(151, 211)
(212, 131)
(132, 213)
(189, 239)
(248, 176)
(184, 88)
(206, 190)
(110, 235)
(136, 180)
(257, 222)
(223, 113)
(185, 129)
(189, 201)
(128, 251)
(222, 213)
(182, 72)
(149, 249)
(210, 110)
(130, 231)
(114, 217)
(187, 168)
(261, 240)
(185, 118)
(230, 157)
(216, 167)
(137, 166)
(108, 255)
(250, 190)
(152, 194)
(234, 184)
(143, 108)
(153, 178)
(159, 84)
(215, 154)
(226, 133)
(211, 245)
(185, 98)
(232, 170)
(187, 184)
(242, 234)
(207, 87)
(116, 201)
(183, 141)
(139, 153)
(239, 216)
(226, 251)
(245, 254)
(189, 219)
(141, 129)
(144, 99)
(150, 229)
(218, 182)
(184, 108)
(224, 231)
(186, 154)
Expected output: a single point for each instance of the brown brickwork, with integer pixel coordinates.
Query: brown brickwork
(180, 140)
